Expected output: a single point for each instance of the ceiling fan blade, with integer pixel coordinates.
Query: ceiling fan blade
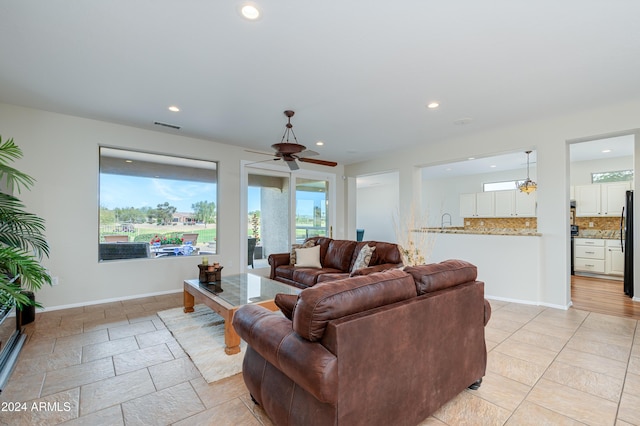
(307, 153)
(263, 161)
(258, 152)
(292, 164)
(317, 161)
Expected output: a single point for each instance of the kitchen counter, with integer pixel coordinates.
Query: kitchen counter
(484, 231)
(599, 234)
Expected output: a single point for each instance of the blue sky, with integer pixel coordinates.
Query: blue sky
(130, 191)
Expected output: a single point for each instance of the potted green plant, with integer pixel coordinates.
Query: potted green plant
(22, 239)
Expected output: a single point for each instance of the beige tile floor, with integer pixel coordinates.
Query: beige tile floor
(116, 364)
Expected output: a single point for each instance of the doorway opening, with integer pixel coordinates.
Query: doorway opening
(601, 177)
(377, 202)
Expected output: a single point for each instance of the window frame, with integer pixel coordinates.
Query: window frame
(167, 171)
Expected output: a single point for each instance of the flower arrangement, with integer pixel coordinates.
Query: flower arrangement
(415, 244)
(162, 240)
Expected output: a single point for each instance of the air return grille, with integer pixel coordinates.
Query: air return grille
(172, 126)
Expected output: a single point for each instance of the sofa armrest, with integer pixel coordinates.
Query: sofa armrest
(308, 364)
(277, 259)
(487, 311)
(376, 268)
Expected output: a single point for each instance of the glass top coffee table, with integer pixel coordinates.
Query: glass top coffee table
(230, 293)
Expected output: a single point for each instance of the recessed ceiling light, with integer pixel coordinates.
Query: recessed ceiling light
(174, 108)
(493, 166)
(128, 161)
(319, 143)
(605, 151)
(471, 158)
(250, 11)
(433, 105)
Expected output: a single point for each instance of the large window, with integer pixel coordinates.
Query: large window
(501, 186)
(156, 206)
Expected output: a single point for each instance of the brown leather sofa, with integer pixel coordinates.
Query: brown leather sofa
(337, 258)
(379, 349)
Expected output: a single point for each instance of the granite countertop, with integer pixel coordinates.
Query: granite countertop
(599, 234)
(487, 231)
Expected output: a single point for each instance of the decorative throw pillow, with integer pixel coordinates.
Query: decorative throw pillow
(292, 255)
(308, 257)
(363, 259)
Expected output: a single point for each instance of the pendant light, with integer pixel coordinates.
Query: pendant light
(528, 186)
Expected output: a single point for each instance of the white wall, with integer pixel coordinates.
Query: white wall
(61, 153)
(376, 208)
(505, 275)
(581, 170)
(549, 137)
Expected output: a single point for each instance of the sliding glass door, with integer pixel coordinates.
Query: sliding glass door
(268, 218)
(282, 208)
(312, 202)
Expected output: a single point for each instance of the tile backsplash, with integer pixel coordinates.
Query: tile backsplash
(476, 223)
(599, 223)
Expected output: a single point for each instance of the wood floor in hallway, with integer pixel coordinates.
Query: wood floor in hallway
(603, 296)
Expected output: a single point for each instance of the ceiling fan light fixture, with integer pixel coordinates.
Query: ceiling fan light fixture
(292, 152)
(528, 186)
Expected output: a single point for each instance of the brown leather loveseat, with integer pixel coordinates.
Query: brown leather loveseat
(379, 349)
(337, 258)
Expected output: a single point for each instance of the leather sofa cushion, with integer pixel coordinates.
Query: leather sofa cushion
(324, 302)
(285, 271)
(339, 255)
(323, 242)
(309, 276)
(286, 303)
(384, 253)
(438, 276)
(333, 277)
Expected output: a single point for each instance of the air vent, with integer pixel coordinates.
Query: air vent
(172, 126)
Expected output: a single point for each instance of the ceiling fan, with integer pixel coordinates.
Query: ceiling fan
(289, 152)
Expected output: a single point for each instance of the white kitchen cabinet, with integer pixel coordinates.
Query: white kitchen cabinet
(485, 204)
(613, 197)
(505, 203)
(589, 255)
(479, 204)
(614, 262)
(526, 204)
(513, 203)
(598, 256)
(587, 200)
(468, 205)
(604, 199)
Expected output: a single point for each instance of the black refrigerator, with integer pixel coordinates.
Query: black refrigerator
(626, 238)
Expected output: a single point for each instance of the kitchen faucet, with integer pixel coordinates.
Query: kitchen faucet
(442, 222)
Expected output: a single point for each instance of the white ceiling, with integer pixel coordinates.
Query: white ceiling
(620, 146)
(358, 74)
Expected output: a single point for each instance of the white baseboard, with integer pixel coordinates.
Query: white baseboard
(115, 299)
(528, 302)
